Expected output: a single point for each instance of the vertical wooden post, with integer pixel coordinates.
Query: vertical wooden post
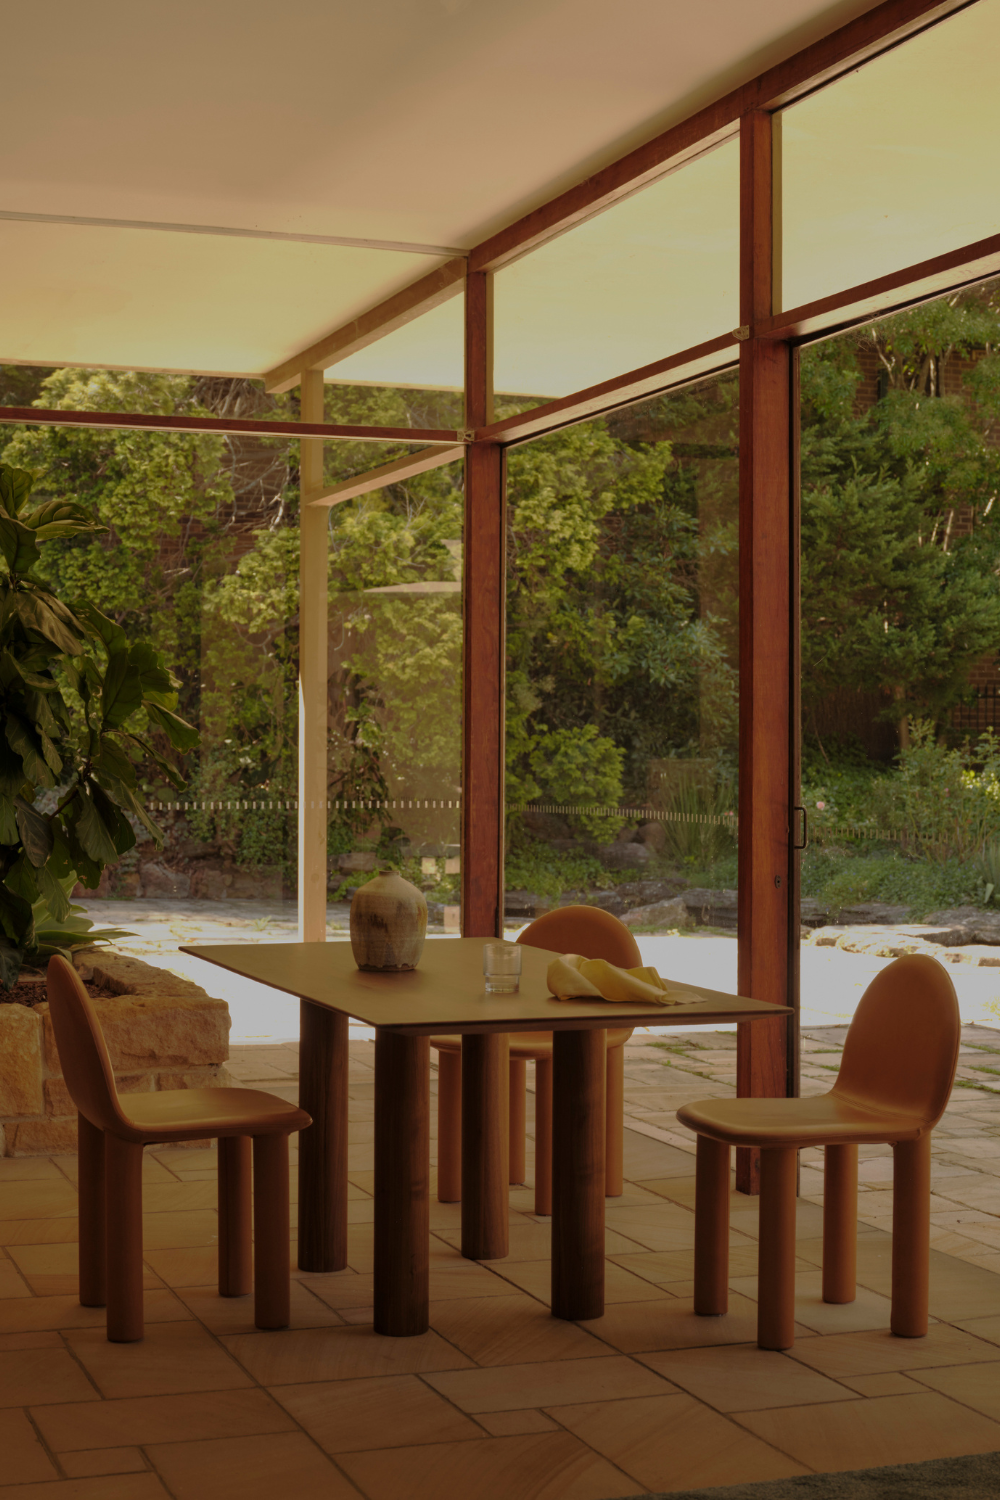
(313, 525)
(484, 602)
(766, 428)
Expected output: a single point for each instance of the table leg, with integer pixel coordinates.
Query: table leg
(578, 1144)
(323, 1063)
(485, 1146)
(402, 1180)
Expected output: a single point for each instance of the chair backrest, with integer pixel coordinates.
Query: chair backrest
(901, 1049)
(82, 1050)
(586, 930)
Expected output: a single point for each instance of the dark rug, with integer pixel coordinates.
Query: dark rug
(976, 1477)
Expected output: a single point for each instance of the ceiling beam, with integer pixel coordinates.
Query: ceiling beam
(135, 422)
(391, 473)
(430, 291)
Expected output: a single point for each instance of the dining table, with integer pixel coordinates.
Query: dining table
(446, 993)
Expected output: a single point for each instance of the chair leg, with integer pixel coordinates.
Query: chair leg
(840, 1224)
(711, 1228)
(911, 1236)
(271, 1229)
(449, 1170)
(235, 1216)
(517, 1107)
(614, 1104)
(776, 1251)
(123, 1179)
(90, 1148)
(543, 1135)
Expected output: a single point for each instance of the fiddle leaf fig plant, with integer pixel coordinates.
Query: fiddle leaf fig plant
(79, 701)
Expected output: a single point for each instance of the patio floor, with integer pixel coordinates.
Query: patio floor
(499, 1401)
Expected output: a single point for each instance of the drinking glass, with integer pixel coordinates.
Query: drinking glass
(502, 968)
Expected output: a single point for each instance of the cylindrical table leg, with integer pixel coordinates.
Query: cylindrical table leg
(90, 1148)
(449, 1173)
(123, 1187)
(614, 1107)
(840, 1224)
(518, 1070)
(776, 1251)
(711, 1228)
(235, 1216)
(579, 1069)
(271, 1231)
(323, 1063)
(543, 1136)
(485, 1139)
(911, 1236)
(402, 1177)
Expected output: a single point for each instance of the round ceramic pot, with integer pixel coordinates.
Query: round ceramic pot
(388, 923)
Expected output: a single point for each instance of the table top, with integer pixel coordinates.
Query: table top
(446, 991)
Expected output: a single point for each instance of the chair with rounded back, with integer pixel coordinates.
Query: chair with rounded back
(571, 929)
(896, 1074)
(112, 1131)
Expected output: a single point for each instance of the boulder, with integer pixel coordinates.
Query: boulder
(648, 892)
(712, 908)
(872, 914)
(609, 901)
(653, 835)
(209, 885)
(255, 885)
(358, 862)
(979, 926)
(624, 856)
(157, 880)
(662, 915)
(523, 905)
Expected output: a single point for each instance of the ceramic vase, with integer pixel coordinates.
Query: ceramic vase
(388, 923)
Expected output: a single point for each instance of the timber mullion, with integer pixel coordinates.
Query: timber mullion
(313, 547)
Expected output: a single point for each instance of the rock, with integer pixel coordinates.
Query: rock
(195, 849)
(48, 1137)
(624, 856)
(826, 937)
(255, 885)
(128, 886)
(609, 901)
(130, 976)
(663, 915)
(20, 1060)
(208, 885)
(712, 908)
(648, 892)
(147, 1033)
(358, 862)
(811, 914)
(653, 835)
(525, 904)
(157, 880)
(872, 914)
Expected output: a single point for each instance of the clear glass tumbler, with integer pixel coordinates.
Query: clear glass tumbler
(502, 968)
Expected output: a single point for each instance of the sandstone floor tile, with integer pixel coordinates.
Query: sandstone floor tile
(37, 1199)
(24, 1460)
(250, 1468)
(535, 1277)
(877, 1352)
(106, 1487)
(892, 1383)
(512, 1387)
(12, 1283)
(173, 1357)
(167, 1231)
(340, 1290)
(392, 1412)
(137, 1421)
(977, 1386)
(636, 1327)
(509, 1423)
(30, 1314)
(653, 1227)
(194, 1265)
(340, 1354)
(663, 1266)
(236, 1314)
(501, 1330)
(645, 1157)
(982, 1328)
(542, 1466)
(41, 1340)
(674, 1442)
(172, 1196)
(103, 1461)
(868, 1310)
(871, 1433)
(38, 1231)
(744, 1378)
(29, 1169)
(52, 1270)
(30, 1375)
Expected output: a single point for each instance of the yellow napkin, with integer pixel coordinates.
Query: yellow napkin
(574, 978)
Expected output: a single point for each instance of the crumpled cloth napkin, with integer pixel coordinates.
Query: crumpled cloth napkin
(574, 978)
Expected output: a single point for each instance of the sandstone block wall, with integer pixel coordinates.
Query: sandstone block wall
(162, 1033)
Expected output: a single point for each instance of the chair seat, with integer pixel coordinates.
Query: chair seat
(197, 1114)
(531, 1044)
(830, 1119)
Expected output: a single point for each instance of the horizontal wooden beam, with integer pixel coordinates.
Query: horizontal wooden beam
(928, 278)
(147, 422)
(689, 364)
(390, 473)
(395, 312)
(804, 71)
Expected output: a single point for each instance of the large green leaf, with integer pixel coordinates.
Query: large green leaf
(179, 732)
(54, 896)
(158, 686)
(57, 518)
(11, 958)
(124, 795)
(15, 487)
(35, 831)
(18, 545)
(122, 691)
(112, 635)
(112, 760)
(8, 822)
(95, 837)
(22, 879)
(113, 818)
(37, 611)
(88, 870)
(28, 745)
(15, 915)
(171, 773)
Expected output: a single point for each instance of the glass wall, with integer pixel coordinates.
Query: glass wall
(622, 672)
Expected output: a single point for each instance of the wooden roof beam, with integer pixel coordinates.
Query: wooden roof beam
(390, 473)
(143, 422)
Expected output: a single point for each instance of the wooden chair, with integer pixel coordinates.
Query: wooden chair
(570, 929)
(895, 1077)
(113, 1130)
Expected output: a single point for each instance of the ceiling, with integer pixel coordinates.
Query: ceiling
(427, 124)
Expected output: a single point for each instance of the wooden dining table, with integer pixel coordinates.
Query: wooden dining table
(446, 994)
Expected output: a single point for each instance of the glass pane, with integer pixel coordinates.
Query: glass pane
(900, 672)
(893, 163)
(622, 681)
(651, 276)
(395, 662)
